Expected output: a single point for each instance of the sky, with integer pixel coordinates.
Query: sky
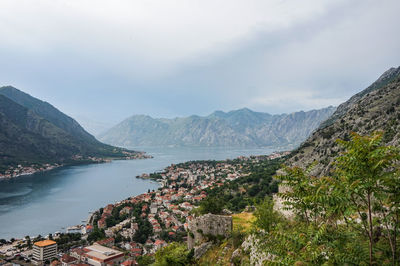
(103, 61)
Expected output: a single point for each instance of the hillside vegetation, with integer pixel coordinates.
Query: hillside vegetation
(35, 132)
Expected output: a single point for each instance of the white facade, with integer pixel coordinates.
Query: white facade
(44, 250)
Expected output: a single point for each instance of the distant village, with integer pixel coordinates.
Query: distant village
(21, 170)
(120, 233)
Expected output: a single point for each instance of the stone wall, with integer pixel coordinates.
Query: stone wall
(209, 224)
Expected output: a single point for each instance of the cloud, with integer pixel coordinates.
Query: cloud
(110, 59)
(135, 37)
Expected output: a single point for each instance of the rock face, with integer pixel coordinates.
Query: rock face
(239, 128)
(375, 108)
(208, 224)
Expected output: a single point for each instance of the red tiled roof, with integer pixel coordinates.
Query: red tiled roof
(129, 263)
(67, 258)
(159, 242)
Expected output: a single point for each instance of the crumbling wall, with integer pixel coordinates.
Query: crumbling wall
(209, 224)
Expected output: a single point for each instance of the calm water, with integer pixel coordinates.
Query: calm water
(47, 202)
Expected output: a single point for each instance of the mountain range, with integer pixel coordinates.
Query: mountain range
(376, 108)
(239, 128)
(35, 132)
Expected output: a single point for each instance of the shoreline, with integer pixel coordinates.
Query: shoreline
(34, 169)
(160, 183)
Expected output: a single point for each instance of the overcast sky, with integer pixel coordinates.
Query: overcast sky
(106, 60)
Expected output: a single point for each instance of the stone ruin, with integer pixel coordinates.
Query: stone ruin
(208, 224)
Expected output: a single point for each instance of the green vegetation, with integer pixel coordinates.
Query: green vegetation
(145, 230)
(174, 254)
(245, 191)
(350, 218)
(66, 241)
(96, 235)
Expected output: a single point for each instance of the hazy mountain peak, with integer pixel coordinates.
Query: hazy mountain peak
(388, 74)
(238, 128)
(242, 110)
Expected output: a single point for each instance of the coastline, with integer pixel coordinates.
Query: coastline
(168, 172)
(156, 181)
(14, 172)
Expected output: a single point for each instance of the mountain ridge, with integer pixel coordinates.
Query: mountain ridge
(237, 128)
(376, 108)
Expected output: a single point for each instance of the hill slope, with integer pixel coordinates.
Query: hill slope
(375, 108)
(35, 132)
(239, 128)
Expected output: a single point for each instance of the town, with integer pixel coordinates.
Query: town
(20, 170)
(135, 228)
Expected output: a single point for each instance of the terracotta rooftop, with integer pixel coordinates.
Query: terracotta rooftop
(45, 243)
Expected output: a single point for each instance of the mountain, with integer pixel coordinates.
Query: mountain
(35, 132)
(375, 108)
(239, 128)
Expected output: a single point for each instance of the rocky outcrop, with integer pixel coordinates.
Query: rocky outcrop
(207, 225)
(252, 246)
(375, 108)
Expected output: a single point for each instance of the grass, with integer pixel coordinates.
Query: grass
(243, 221)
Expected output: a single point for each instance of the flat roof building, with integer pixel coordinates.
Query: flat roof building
(99, 255)
(44, 250)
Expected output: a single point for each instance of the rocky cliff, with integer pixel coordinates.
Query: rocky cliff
(375, 108)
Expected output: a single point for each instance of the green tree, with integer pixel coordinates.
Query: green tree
(212, 205)
(145, 260)
(351, 217)
(96, 235)
(173, 254)
(266, 217)
(368, 177)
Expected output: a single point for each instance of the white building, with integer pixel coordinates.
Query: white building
(44, 250)
(98, 255)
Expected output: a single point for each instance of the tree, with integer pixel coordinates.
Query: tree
(173, 254)
(212, 205)
(145, 260)
(266, 217)
(351, 217)
(368, 177)
(97, 234)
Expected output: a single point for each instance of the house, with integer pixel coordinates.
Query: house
(67, 260)
(89, 229)
(77, 253)
(153, 208)
(53, 263)
(129, 263)
(101, 224)
(136, 252)
(134, 226)
(159, 244)
(126, 210)
(109, 242)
